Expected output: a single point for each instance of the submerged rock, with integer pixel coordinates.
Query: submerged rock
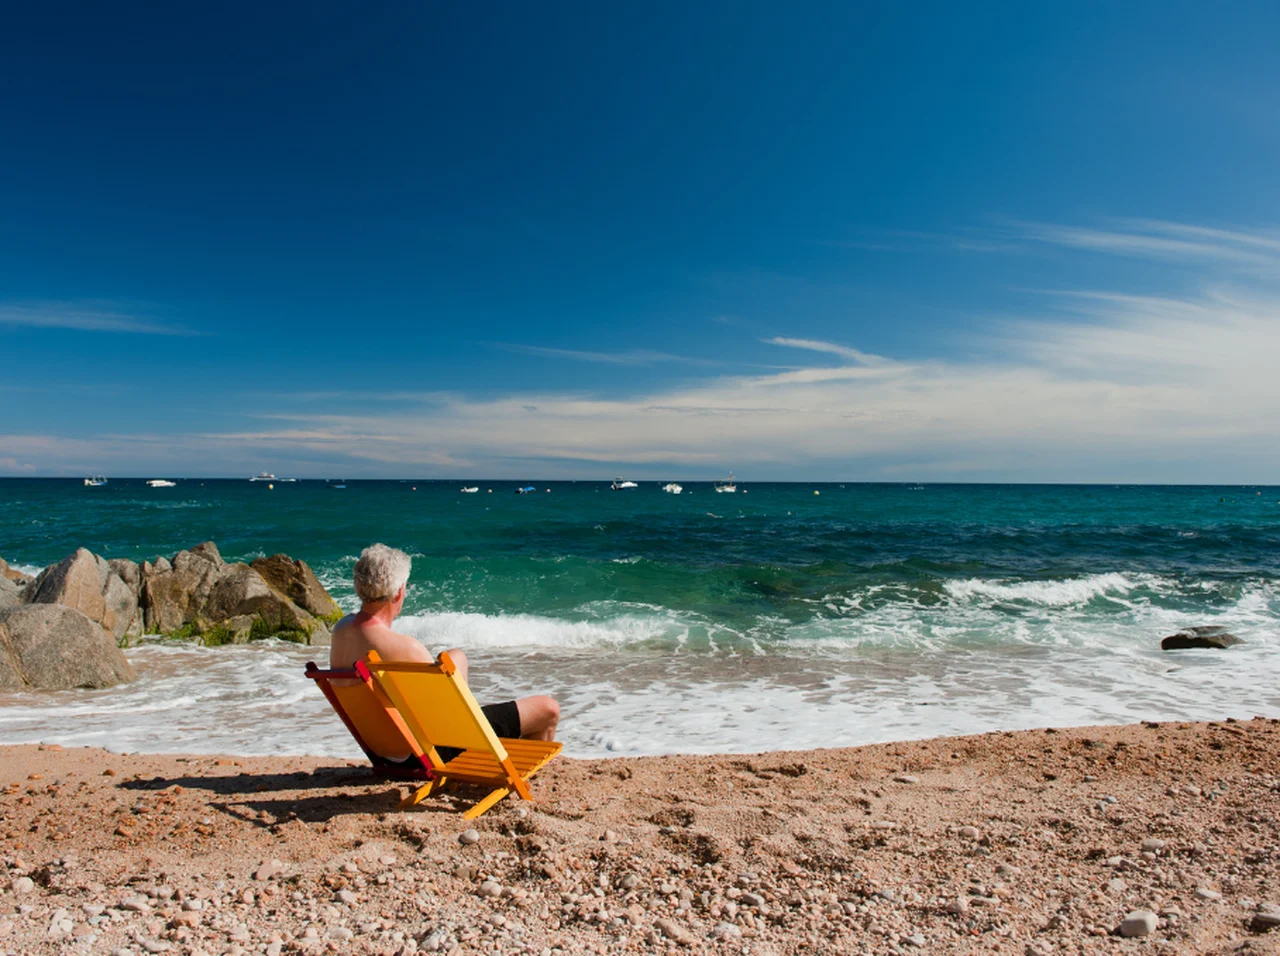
(1208, 636)
(55, 647)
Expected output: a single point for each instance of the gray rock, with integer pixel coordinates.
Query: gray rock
(1138, 923)
(905, 778)
(296, 581)
(1207, 894)
(55, 647)
(969, 833)
(77, 581)
(241, 591)
(468, 837)
(1209, 636)
(10, 593)
(174, 595)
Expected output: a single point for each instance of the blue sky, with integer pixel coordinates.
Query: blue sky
(917, 242)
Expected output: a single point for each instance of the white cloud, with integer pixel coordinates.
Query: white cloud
(813, 345)
(84, 317)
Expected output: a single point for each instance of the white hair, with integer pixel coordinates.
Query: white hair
(380, 573)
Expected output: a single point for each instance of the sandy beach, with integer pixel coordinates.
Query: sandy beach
(1031, 842)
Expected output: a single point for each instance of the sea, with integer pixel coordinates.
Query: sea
(782, 616)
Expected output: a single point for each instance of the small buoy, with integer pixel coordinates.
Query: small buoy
(817, 492)
(548, 491)
(490, 491)
(415, 488)
(271, 487)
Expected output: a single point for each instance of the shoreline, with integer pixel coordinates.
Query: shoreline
(1025, 841)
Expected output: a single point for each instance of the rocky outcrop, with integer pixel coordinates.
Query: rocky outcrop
(13, 574)
(194, 594)
(298, 583)
(56, 647)
(1208, 636)
(92, 586)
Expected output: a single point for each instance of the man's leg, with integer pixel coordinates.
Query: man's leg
(538, 717)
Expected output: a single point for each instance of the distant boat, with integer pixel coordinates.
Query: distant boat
(162, 483)
(619, 484)
(95, 481)
(672, 488)
(263, 476)
(727, 485)
(469, 491)
(286, 480)
(339, 487)
(527, 489)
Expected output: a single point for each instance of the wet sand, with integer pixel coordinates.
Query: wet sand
(1030, 842)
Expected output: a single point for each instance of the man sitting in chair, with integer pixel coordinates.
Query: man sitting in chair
(381, 575)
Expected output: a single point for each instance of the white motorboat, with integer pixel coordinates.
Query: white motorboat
(619, 484)
(95, 481)
(162, 483)
(470, 491)
(726, 486)
(672, 488)
(263, 476)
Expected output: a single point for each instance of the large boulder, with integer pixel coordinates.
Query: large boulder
(1205, 636)
(173, 594)
(242, 592)
(55, 647)
(13, 574)
(296, 581)
(94, 587)
(77, 581)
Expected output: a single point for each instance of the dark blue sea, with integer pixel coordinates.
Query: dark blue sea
(778, 616)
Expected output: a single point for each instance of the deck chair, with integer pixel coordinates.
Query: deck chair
(439, 711)
(372, 721)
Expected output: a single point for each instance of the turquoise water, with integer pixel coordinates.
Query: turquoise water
(704, 621)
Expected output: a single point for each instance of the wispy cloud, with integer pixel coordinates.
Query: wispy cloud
(628, 357)
(86, 318)
(814, 345)
(1251, 250)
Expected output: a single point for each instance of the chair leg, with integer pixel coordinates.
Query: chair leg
(486, 803)
(419, 795)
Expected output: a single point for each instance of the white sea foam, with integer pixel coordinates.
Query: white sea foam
(636, 678)
(1061, 592)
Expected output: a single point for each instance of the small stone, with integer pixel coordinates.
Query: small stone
(387, 860)
(969, 833)
(905, 778)
(269, 869)
(490, 888)
(1205, 893)
(957, 907)
(1153, 845)
(1266, 918)
(609, 836)
(192, 905)
(630, 881)
(346, 896)
(726, 931)
(23, 885)
(1117, 886)
(350, 868)
(1138, 923)
(916, 940)
(340, 932)
(670, 928)
(468, 837)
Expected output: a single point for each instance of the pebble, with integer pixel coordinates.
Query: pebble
(1117, 886)
(23, 885)
(346, 896)
(1138, 923)
(1153, 845)
(191, 905)
(1207, 894)
(350, 867)
(752, 899)
(916, 940)
(969, 833)
(340, 932)
(387, 860)
(490, 888)
(630, 881)
(468, 837)
(670, 928)
(268, 869)
(906, 778)
(958, 907)
(726, 931)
